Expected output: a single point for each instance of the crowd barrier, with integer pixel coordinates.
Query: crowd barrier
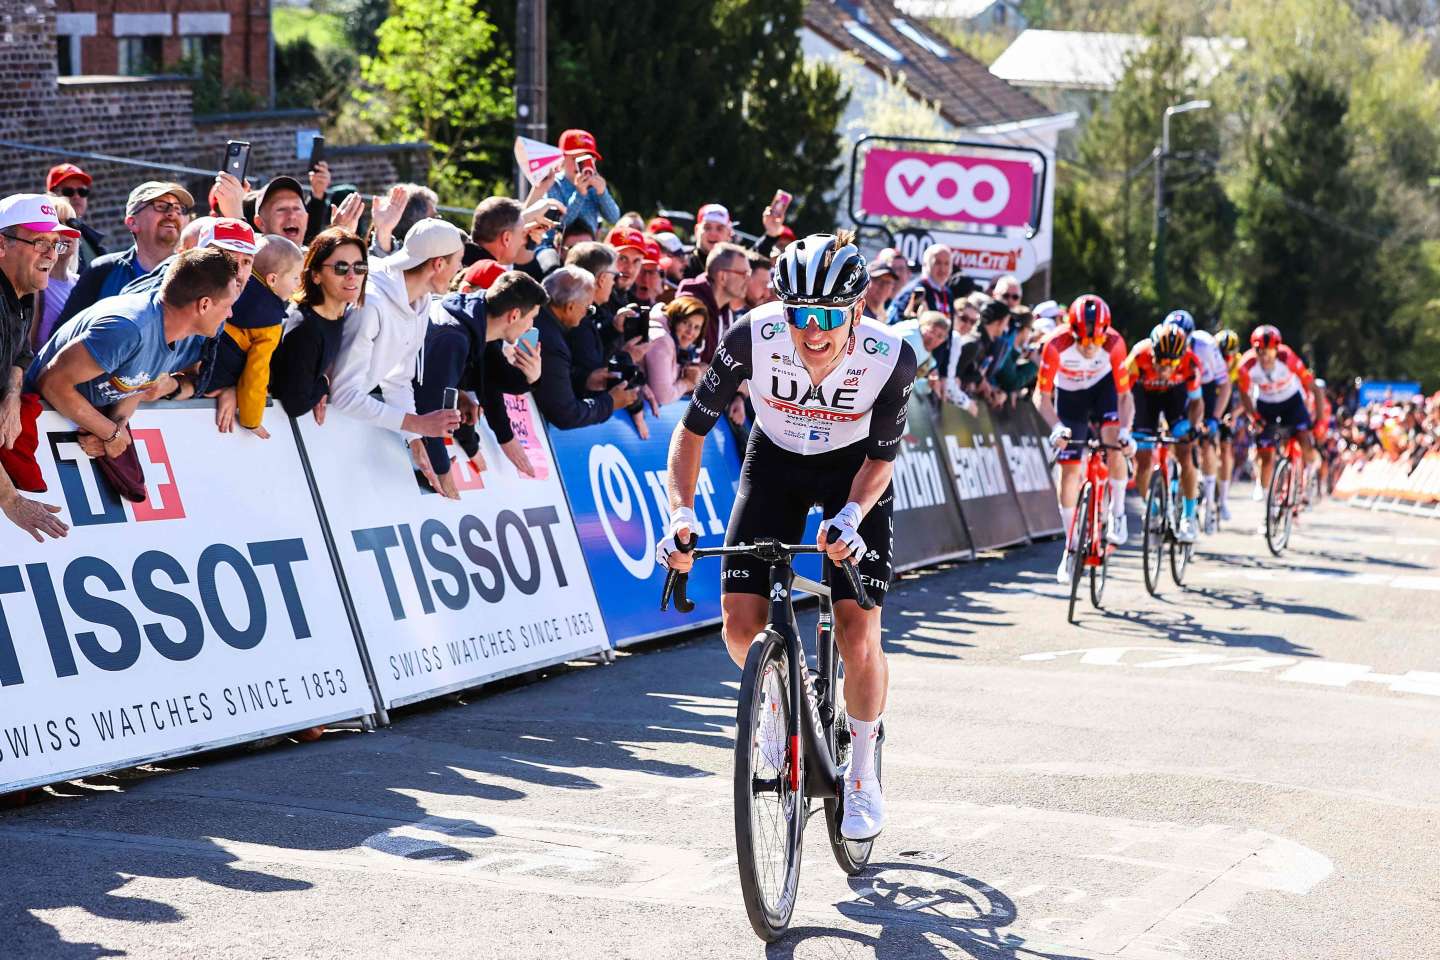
(1397, 485)
(269, 586)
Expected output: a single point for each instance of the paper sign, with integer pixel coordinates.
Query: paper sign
(535, 157)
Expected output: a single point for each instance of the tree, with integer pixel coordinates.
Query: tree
(437, 76)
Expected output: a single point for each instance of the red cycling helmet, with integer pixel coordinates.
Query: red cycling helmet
(1265, 337)
(1089, 318)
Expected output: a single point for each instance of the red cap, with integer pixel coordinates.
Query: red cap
(483, 274)
(62, 172)
(659, 225)
(579, 141)
(652, 252)
(786, 233)
(621, 237)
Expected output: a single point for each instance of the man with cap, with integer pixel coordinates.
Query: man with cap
(712, 226)
(233, 236)
(882, 286)
(582, 190)
(69, 181)
(155, 214)
(31, 237)
(382, 340)
(280, 208)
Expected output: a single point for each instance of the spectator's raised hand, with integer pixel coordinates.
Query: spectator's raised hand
(773, 225)
(319, 411)
(320, 179)
(421, 459)
(437, 423)
(385, 213)
(526, 359)
(34, 517)
(347, 215)
(598, 182)
(229, 195)
(622, 394)
(514, 451)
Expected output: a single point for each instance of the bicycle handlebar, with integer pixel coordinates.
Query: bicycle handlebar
(676, 582)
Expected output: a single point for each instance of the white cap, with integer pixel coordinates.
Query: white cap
(1048, 309)
(669, 241)
(426, 240)
(33, 211)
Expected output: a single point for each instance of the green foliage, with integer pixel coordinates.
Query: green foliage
(321, 27)
(315, 77)
(436, 76)
(984, 45)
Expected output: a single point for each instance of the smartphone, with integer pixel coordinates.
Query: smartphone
(237, 159)
(450, 399)
(317, 152)
(780, 204)
(531, 339)
(585, 163)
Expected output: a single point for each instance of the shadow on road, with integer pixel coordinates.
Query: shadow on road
(1179, 626)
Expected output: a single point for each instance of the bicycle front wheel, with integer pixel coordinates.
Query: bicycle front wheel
(1180, 560)
(1099, 573)
(1152, 544)
(1278, 514)
(769, 790)
(1082, 545)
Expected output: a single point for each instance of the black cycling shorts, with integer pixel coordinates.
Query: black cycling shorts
(1151, 404)
(777, 490)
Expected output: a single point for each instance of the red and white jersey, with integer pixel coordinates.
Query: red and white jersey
(1064, 367)
(1280, 382)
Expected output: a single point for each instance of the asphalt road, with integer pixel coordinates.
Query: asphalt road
(1245, 769)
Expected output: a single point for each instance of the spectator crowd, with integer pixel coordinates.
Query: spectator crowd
(383, 312)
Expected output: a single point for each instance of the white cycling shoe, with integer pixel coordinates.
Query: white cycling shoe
(1225, 511)
(1119, 530)
(864, 810)
(1186, 531)
(1062, 574)
(770, 738)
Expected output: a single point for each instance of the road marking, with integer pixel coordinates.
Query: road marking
(1286, 575)
(1325, 673)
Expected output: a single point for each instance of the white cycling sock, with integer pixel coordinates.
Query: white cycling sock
(1117, 498)
(1223, 487)
(1207, 489)
(1066, 515)
(864, 734)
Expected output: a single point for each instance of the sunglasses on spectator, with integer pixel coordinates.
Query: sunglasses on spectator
(60, 247)
(826, 318)
(74, 191)
(343, 269)
(164, 207)
(1010, 296)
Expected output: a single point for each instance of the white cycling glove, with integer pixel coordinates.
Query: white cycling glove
(1059, 432)
(1126, 440)
(681, 518)
(848, 520)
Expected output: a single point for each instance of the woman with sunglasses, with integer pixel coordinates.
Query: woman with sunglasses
(830, 391)
(332, 283)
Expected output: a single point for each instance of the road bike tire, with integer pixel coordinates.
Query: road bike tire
(1180, 554)
(1277, 508)
(1082, 545)
(769, 813)
(853, 856)
(1154, 523)
(1100, 574)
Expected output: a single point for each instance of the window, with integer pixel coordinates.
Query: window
(908, 30)
(873, 42)
(67, 62)
(201, 53)
(140, 55)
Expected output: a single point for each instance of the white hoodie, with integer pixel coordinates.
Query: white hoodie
(381, 347)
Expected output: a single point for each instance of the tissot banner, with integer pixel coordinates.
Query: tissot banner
(928, 527)
(616, 485)
(452, 593)
(208, 614)
(976, 458)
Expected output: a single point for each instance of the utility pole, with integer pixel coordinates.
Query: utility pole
(1162, 213)
(530, 93)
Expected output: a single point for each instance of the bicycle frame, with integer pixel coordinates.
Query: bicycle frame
(1097, 474)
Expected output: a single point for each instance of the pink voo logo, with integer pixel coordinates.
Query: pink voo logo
(933, 186)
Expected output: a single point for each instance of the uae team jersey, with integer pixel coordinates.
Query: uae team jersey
(863, 400)
(1278, 384)
(1064, 367)
(1213, 368)
(1146, 373)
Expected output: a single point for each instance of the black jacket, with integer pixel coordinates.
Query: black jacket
(298, 367)
(15, 315)
(555, 393)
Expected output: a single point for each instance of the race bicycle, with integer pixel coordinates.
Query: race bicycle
(1088, 528)
(1284, 499)
(1161, 521)
(777, 776)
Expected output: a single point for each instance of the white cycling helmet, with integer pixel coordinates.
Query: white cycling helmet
(800, 279)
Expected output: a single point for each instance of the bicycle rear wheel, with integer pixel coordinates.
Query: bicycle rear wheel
(852, 855)
(769, 790)
(1081, 545)
(1099, 574)
(1278, 515)
(1180, 560)
(1152, 544)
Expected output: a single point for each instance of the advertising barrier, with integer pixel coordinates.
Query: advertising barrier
(453, 593)
(982, 481)
(1021, 431)
(928, 527)
(207, 615)
(1393, 484)
(616, 485)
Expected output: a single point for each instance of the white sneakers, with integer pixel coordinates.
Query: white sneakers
(1119, 530)
(1062, 574)
(771, 737)
(864, 810)
(1186, 531)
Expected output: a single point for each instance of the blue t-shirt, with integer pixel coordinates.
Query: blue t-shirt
(126, 336)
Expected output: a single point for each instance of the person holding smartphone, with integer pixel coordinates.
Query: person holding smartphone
(582, 189)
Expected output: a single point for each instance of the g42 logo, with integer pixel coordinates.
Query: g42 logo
(876, 346)
(90, 498)
(769, 331)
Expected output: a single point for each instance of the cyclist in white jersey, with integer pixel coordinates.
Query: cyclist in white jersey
(1215, 397)
(830, 392)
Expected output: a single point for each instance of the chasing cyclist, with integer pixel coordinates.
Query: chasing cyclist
(1286, 396)
(830, 392)
(1082, 382)
(1166, 377)
(1215, 400)
(1229, 343)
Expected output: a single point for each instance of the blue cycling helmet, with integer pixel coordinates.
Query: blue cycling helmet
(1181, 319)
